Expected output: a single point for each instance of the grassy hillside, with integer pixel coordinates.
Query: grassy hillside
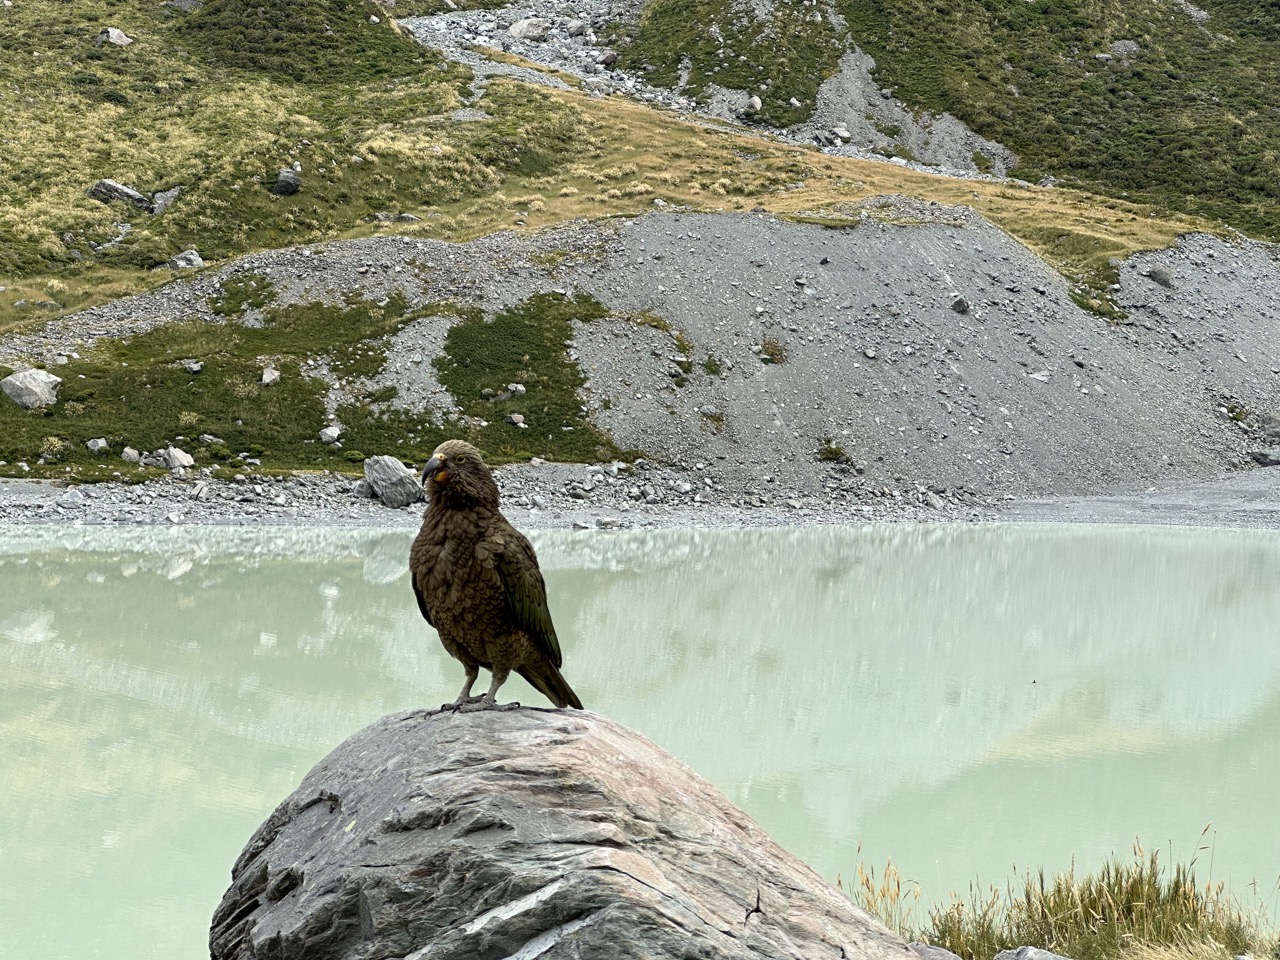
(218, 100)
(1179, 114)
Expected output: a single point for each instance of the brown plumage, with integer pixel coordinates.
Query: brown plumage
(478, 583)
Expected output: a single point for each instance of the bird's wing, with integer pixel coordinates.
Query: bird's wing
(422, 601)
(524, 591)
(416, 561)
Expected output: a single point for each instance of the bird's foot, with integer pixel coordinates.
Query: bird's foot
(487, 703)
(460, 704)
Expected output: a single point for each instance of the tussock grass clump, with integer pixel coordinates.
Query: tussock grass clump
(1105, 915)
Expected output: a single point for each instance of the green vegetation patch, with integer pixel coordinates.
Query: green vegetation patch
(785, 56)
(1176, 115)
(139, 392)
(242, 292)
(526, 344)
(304, 40)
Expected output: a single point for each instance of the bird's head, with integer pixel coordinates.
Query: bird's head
(457, 472)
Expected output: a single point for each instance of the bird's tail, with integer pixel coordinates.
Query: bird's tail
(546, 679)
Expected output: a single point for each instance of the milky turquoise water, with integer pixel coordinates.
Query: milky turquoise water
(960, 699)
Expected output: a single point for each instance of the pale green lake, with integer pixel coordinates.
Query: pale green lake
(962, 699)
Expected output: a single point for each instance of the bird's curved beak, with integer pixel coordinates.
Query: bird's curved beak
(434, 470)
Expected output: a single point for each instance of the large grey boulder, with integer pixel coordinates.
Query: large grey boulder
(529, 833)
(186, 260)
(287, 182)
(109, 190)
(393, 483)
(113, 35)
(31, 388)
(530, 28)
(176, 458)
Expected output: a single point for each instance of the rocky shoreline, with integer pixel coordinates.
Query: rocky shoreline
(548, 496)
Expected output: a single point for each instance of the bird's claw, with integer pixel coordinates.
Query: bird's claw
(486, 703)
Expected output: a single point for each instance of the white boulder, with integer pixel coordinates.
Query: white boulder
(31, 388)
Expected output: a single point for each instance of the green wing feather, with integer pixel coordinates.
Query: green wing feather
(526, 593)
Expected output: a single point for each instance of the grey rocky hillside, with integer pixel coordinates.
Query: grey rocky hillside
(852, 116)
(751, 356)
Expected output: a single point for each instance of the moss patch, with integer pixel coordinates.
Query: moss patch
(305, 40)
(526, 344)
(139, 393)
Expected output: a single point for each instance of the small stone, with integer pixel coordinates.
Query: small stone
(98, 445)
(794, 102)
(330, 434)
(374, 20)
(270, 377)
(869, 353)
(1161, 276)
(517, 388)
(130, 455)
(193, 366)
(929, 952)
(754, 103)
(960, 305)
(1267, 457)
(709, 410)
(362, 489)
(576, 28)
(516, 419)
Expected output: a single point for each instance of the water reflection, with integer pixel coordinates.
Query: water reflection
(960, 699)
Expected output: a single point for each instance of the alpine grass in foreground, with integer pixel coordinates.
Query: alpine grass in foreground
(1127, 910)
